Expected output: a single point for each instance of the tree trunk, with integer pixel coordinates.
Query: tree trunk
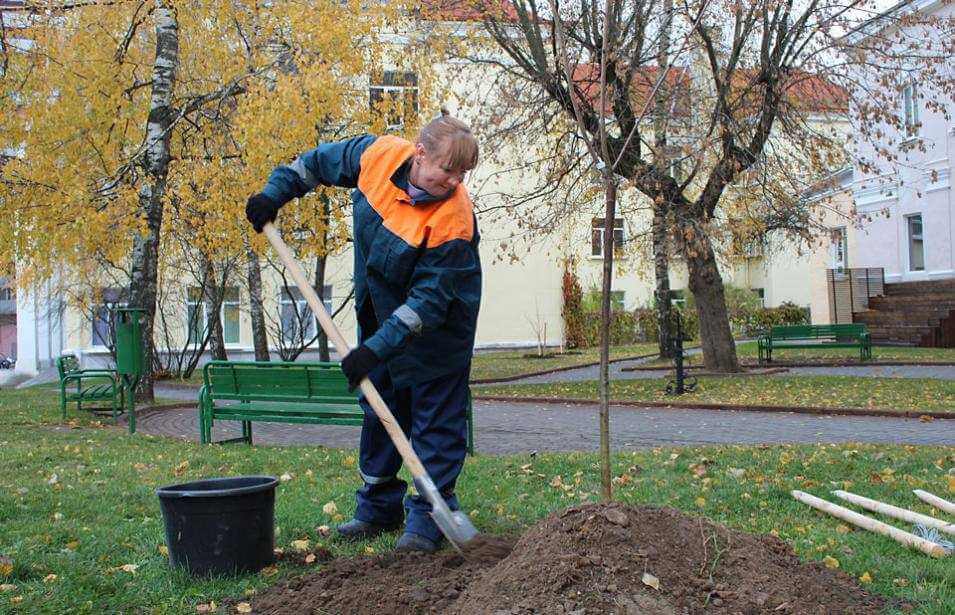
(661, 261)
(320, 263)
(706, 284)
(213, 304)
(610, 188)
(661, 207)
(260, 338)
(155, 163)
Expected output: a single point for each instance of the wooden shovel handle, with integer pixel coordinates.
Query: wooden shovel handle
(328, 325)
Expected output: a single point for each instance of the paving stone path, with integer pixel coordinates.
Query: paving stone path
(506, 427)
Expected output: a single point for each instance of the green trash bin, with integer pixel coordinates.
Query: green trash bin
(127, 323)
(129, 341)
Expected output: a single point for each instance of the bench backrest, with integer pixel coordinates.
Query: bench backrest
(783, 332)
(277, 381)
(66, 364)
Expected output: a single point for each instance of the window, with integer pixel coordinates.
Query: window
(597, 236)
(617, 300)
(910, 109)
(838, 249)
(678, 298)
(298, 322)
(102, 317)
(6, 294)
(230, 316)
(916, 245)
(197, 321)
(761, 293)
(676, 170)
(396, 95)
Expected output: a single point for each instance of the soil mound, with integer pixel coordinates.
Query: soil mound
(588, 559)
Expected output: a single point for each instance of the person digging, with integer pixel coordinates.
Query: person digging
(417, 283)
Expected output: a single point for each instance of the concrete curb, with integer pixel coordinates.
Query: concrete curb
(911, 414)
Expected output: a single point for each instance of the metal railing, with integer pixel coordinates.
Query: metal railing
(850, 290)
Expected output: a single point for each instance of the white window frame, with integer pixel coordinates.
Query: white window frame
(200, 305)
(838, 249)
(910, 109)
(597, 232)
(400, 85)
(911, 238)
(301, 306)
(109, 306)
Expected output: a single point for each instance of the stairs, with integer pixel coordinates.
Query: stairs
(912, 314)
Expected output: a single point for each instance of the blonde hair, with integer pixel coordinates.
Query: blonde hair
(451, 140)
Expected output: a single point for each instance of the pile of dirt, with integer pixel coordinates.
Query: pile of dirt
(588, 559)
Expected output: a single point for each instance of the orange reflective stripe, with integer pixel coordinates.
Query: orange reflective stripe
(437, 222)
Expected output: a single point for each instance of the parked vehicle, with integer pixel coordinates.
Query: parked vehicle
(7, 362)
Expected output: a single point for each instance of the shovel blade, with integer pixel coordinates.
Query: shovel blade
(456, 527)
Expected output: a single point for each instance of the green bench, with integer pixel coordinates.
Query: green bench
(280, 392)
(92, 385)
(815, 336)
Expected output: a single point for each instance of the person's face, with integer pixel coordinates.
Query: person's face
(432, 174)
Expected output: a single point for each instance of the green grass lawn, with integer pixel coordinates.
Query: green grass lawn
(513, 363)
(748, 353)
(822, 391)
(81, 527)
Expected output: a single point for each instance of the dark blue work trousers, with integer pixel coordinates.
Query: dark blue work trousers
(433, 415)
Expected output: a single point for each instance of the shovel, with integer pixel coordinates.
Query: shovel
(455, 525)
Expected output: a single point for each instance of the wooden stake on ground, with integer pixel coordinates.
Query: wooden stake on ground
(910, 540)
(934, 500)
(894, 511)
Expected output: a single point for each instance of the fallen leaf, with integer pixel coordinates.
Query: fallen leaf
(204, 608)
(180, 469)
(53, 479)
(286, 477)
(369, 550)
(130, 568)
(324, 530)
(900, 582)
(6, 566)
(269, 571)
(72, 545)
(300, 545)
(951, 483)
(243, 607)
(16, 600)
(736, 472)
(49, 578)
(830, 562)
(330, 508)
(843, 528)
(650, 581)
(7, 587)
(349, 462)
(866, 577)
(163, 550)
(310, 558)
(58, 516)
(701, 501)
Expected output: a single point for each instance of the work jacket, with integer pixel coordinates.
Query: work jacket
(417, 269)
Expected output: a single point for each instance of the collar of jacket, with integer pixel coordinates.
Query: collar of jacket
(400, 178)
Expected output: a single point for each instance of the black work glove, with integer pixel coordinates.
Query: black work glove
(357, 364)
(260, 210)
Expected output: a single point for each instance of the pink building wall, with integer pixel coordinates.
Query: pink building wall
(8, 339)
(919, 183)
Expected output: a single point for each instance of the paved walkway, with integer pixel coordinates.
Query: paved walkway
(523, 427)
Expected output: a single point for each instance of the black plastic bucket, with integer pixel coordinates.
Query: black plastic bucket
(220, 525)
